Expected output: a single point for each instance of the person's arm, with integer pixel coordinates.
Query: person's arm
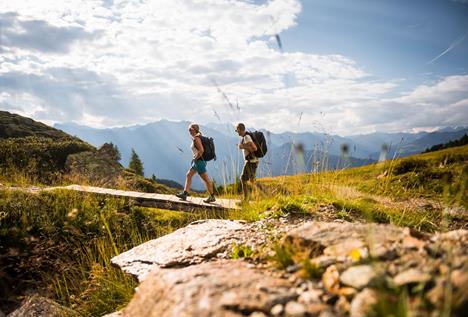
(199, 146)
(249, 145)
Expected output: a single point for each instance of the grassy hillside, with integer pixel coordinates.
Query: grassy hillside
(426, 192)
(33, 152)
(37, 159)
(16, 126)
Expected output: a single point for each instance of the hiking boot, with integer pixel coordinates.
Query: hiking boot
(210, 199)
(183, 195)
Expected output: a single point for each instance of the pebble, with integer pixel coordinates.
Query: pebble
(310, 296)
(358, 276)
(362, 303)
(293, 268)
(277, 310)
(411, 276)
(342, 305)
(295, 309)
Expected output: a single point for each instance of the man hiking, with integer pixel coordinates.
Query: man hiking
(198, 166)
(250, 160)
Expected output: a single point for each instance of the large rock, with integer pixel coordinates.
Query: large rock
(186, 281)
(37, 306)
(222, 288)
(198, 242)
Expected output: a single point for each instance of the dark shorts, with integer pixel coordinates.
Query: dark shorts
(249, 171)
(199, 166)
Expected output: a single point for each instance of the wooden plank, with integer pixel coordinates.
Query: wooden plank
(157, 200)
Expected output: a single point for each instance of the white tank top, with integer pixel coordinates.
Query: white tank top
(194, 148)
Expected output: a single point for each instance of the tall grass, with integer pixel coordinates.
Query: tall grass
(63, 241)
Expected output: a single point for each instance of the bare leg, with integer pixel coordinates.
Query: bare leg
(188, 179)
(208, 183)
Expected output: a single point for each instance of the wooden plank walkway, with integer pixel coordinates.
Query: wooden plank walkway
(157, 200)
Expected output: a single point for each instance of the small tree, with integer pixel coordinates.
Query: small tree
(135, 164)
(111, 151)
(118, 157)
(153, 178)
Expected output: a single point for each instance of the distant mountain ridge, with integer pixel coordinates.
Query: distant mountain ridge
(164, 147)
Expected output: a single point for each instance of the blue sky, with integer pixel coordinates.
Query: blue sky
(395, 39)
(345, 67)
(391, 39)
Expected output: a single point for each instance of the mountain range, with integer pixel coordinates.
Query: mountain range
(164, 148)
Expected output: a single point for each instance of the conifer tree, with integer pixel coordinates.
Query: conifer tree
(135, 164)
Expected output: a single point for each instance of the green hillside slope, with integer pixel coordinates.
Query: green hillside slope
(425, 192)
(16, 126)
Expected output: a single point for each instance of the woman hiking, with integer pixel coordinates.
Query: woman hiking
(198, 166)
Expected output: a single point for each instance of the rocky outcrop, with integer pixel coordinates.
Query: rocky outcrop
(96, 167)
(198, 242)
(222, 288)
(352, 267)
(37, 306)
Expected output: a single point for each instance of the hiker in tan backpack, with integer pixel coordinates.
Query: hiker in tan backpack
(198, 166)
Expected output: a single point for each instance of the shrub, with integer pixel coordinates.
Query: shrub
(241, 251)
(409, 165)
(40, 158)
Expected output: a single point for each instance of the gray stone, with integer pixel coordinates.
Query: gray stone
(310, 296)
(411, 276)
(37, 306)
(221, 288)
(323, 261)
(198, 242)
(342, 306)
(294, 309)
(277, 310)
(327, 313)
(358, 276)
(362, 303)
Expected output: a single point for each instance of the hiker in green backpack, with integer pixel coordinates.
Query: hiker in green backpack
(198, 166)
(250, 160)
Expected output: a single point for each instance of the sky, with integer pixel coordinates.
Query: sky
(335, 66)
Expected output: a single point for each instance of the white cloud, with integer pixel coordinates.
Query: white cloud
(127, 62)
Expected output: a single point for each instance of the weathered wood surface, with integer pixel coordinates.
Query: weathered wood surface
(157, 200)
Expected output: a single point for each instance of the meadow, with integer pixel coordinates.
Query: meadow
(60, 243)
